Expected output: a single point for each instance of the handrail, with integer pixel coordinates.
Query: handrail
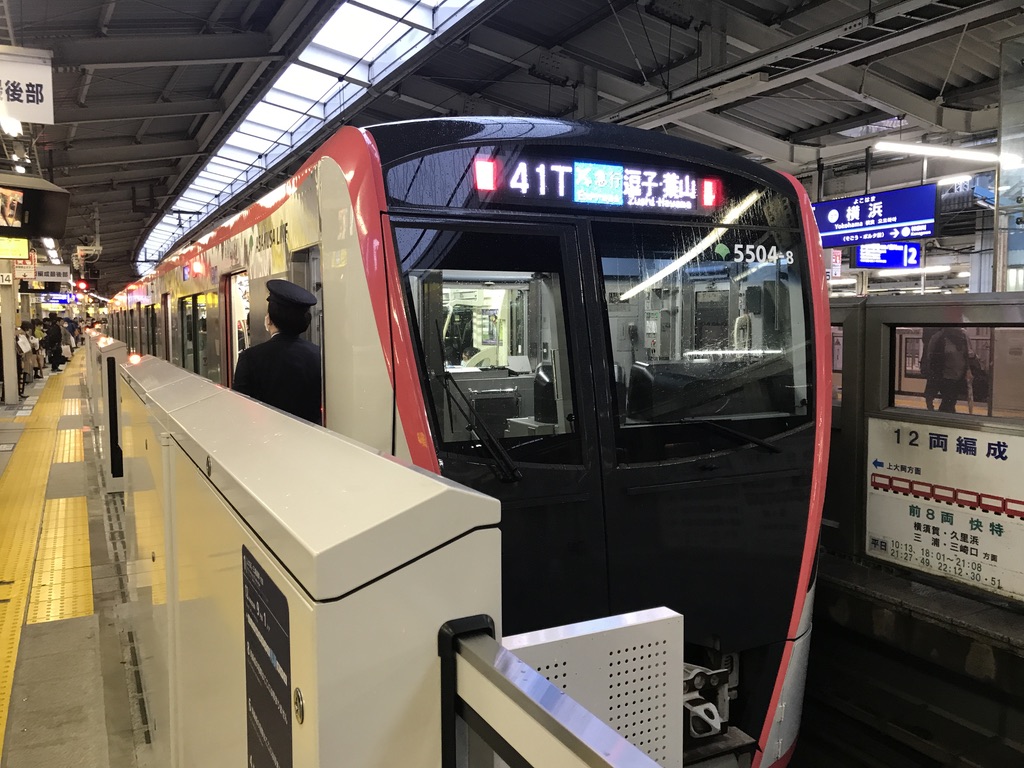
(516, 711)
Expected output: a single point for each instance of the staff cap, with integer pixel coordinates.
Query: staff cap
(290, 293)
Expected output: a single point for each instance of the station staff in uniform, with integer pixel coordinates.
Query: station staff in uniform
(285, 371)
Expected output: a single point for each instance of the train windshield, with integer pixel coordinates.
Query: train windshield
(707, 327)
(490, 310)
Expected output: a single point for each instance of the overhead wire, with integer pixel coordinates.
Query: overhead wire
(625, 37)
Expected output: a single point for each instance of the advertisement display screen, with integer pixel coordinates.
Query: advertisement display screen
(877, 217)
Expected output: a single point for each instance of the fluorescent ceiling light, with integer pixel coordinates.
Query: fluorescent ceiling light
(933, 150)
(936, 270)
(715, 235)
(10, 125)
(843, 281)
(48, 242)
(963, 274)
(19, 169)
(958, 179)
(1007, 160)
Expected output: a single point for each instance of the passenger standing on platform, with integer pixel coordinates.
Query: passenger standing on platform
(285, 371)
(52, 342)
(949, 361)
(26, 357)
(30, 357)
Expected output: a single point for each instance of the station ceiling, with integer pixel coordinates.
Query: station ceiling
(165, 108)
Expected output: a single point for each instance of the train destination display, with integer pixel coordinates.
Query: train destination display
(945, 500)
(887, 256)
(877, 217)
(582, 182)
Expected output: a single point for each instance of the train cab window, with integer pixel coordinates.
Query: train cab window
(489, 310)
(707, 328)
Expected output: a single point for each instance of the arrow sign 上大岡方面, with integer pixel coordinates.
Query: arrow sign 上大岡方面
(877, 464)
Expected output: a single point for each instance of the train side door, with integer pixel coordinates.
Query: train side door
(306, 271)
(236, 289)
(504, 364)
(164, 339)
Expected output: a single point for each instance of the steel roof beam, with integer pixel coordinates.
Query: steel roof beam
(121, 194)
(876, 91)
(120, 112)
(720, 89)
(114, 177)
(83, 156)
(163, 50)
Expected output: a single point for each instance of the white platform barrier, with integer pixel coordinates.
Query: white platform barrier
(103, 356)
(289, 586)
(305, 581)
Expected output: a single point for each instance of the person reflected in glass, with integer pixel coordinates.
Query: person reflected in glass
(949, 359)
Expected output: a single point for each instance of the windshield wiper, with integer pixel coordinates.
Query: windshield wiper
(735, 434)
(506, 468)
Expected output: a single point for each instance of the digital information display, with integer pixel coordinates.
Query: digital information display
(581, 182)
(877, 217)
(887, 256)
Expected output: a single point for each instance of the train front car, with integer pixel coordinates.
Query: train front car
(617, 335)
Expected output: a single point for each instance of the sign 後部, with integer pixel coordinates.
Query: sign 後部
(26, 85)
(877, 217)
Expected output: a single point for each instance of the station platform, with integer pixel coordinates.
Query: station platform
(66, 656)
(903, 670)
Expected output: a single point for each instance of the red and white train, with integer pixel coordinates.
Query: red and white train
(621, 335)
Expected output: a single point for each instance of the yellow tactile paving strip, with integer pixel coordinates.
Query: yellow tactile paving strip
(22, 503)
(69, 446)
(72, 407)
(62, 581)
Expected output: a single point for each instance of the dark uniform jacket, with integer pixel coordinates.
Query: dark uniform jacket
(283, 372)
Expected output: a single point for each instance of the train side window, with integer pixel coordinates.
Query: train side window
(973, 370)
(490, 314)
(707, 328)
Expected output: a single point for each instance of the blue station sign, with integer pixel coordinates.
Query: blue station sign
(877, 217)
(887, 256)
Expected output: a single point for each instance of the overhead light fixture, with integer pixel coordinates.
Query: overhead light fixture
(19, 169)
(714, 236)
(10, 125)
(48, 242)
(1006, 160)
(963, 274)
(938, 269)
(958, 179)
(843, 281)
